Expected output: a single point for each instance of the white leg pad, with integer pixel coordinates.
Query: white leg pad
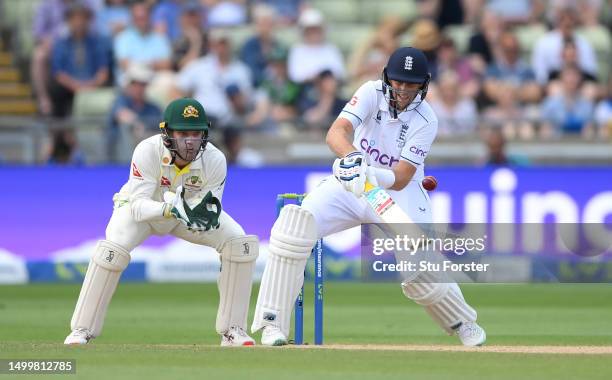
(444, 302)
(238, 257)
(291, 241)
(103, 273)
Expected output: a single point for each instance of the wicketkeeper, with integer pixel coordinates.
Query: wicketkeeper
(175, 187)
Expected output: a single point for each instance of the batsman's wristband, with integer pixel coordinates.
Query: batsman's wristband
(384, 177)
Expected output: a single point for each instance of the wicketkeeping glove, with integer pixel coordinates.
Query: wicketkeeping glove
(202, 217)
(351, 172)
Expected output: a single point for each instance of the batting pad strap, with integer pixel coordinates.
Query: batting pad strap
(103, 273)
(238, 257)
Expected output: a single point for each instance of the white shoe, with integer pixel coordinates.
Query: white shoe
(78, 336)
(471, 334)
(236, 336)
(273, 336)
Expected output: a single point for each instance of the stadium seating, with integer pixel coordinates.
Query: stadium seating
(342, 11)
(91, 110)
(373, 11)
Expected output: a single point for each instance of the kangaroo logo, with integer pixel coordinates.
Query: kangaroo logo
(111, 255)
(247, 249)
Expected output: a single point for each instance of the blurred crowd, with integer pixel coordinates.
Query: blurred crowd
(172, 48)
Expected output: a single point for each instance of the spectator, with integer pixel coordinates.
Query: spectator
(225, 12)
(281, 92)
(208, 78)
(547, 55)
(167, 14)
(132, 117)
(65, 150)
(480, 46)
(569, 57)
(257, 48)
(509, 72)
(456, 114)
(370, 57)
(287, 10)
(248, 111)
(508, 115)
(321, 103)
(603, 113)
(569, 111)
(79, 61)
(314, 54)
(236, 153)
(47, 25)
(140, 44)
(113, 18)
(588, 11)
(496, 150)
(193, 42)
(448, 12)
(517, 11)
(426, 37)
(449, 59)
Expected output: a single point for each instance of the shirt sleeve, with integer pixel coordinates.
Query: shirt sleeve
(58, 57)
(164, 48)
(145, 172)
(587, 58)
(121, 46)
(539, 60)
(361, 105)
(417, 147)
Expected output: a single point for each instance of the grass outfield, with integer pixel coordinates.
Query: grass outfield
(162, 331)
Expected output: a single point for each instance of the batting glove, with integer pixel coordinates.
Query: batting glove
(350, 171)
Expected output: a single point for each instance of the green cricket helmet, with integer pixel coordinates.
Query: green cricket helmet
(185, 114)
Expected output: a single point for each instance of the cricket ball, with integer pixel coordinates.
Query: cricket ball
(429, 183)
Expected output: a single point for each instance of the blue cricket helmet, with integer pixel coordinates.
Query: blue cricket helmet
(409, 65)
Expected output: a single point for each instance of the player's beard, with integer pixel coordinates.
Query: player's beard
(188, 148)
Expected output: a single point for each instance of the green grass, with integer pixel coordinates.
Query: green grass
(163, 331)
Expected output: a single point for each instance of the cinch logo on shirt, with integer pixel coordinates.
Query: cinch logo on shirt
(383, 159)
(418, 151)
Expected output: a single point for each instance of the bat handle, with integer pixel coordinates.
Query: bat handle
(368, 186)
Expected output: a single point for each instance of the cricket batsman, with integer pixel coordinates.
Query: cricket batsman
(382, 135)
(175, 187)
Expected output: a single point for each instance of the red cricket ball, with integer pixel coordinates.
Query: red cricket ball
(430, 183)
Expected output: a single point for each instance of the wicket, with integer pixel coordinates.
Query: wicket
(298, 338)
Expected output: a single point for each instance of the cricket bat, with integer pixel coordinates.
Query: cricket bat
(384, 206)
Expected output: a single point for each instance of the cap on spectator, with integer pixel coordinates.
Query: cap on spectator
(311, 18)
(137, 72)
(425, 35)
